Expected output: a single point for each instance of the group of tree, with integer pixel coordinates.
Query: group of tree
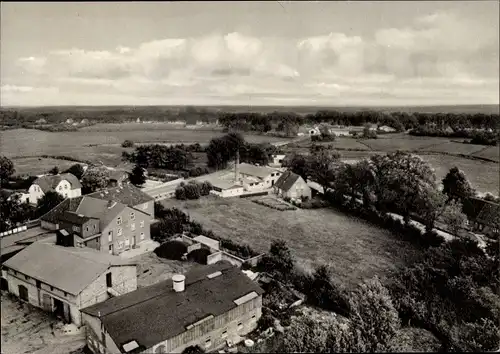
(94, 179)
(479, 137)
(397, 182)
(324, 134)
(160, 156)
(137, 177)
(6, 169)
(221, 151)
(288, 122)
(77, 170)
(192, 190)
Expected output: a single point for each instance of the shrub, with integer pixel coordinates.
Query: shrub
(128, 144)
(171, 250)
(180, 193)
(199, 255)
(266, 320)
(192, 191)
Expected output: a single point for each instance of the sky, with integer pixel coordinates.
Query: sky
(249, 53)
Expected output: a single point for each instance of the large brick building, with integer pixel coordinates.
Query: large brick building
(208, 307)
(60, 276)
(113, 220)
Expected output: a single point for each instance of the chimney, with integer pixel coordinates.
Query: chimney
(178, 282)
(236, 167)
(64, 238)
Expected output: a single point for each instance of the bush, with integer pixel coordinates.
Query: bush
(128, 144)
(239, 250)
(198, 171)
(173, 250)
(192, 191)
(266, 320)
(199, 256)
(180, 193)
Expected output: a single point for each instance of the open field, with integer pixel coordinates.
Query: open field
(490, 152)
(100, 146)
(38, 165)
(354, 249)
(26, 329)
(483, 176)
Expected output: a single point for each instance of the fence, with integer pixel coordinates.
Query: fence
(21, 228)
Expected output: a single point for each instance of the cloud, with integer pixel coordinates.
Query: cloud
(438, 57)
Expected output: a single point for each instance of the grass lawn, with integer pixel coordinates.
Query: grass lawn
(491, 152)
(37, 165)
(483, 175)
(388, 143)
(455, 148)
(354, 249)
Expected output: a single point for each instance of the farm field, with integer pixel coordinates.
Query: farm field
(38, 165)
(483, 175)
(354, 249)
(491, 152)
(99, 146)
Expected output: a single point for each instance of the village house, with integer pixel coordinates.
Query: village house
(209, 306)
(291, 185)
(65, 184)
(61, 276)
(277, 160)
(21, 194)
(247, 178)
(115, 220)
(483, 216)
(386, 129)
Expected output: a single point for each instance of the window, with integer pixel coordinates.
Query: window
(65, 294)
(120, 245)
(65, 186)
(109, 282)
(87, 229)
(65, 195)
(76, 228)
(95, 226)
(142, 235)
(161, 349)
(224, 334)
(144, 206)
(119, 220)
(132, 226)
(208, 343)
(127, 242)
(132, 216)
(254, 317)
(119, 231)
(110, 236)
(51, 288)
(110, 249)
(142, 223)
(60, 188)
(26, 277)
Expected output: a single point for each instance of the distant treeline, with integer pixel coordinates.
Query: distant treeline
(479, 137)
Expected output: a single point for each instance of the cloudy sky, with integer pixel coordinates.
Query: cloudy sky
(260, 53)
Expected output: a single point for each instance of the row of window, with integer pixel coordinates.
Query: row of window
(119, 231)
(65, 187)
(39, 284)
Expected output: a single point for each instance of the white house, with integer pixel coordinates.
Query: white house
(255, 177)
(277, 160)
(226, 189)
(291, 185)
(65, 184)
(58, 277)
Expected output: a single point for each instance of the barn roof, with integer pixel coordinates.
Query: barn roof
(287, 180)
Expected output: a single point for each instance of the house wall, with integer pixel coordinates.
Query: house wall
(148, 208)
(35, 294)
(226, 193)
(237, 322)
(35, 193)
(119, 241)
(87, 229)
(94, 333)
(299, 189)
(124, 280)
(48, 225)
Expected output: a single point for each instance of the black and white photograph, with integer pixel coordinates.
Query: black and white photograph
(249, 177)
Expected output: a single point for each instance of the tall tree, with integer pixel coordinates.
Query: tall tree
(137, 177)
(94, 179)
(76, 170)
(13, 211)
(54, 170)
(6, 169)
(456, 185)
(297, 163)
(48, 202)
(453, 217)
(322, 167)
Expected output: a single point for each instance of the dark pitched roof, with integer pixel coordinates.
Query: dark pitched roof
(126, 194)
(489, 214)
(287, 180)
(50, 182)
(70, 269)
(155, 313)
(86, 206)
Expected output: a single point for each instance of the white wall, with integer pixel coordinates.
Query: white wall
(35, 193)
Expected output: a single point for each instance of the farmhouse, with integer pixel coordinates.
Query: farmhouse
(291, 185)
(129, 195)
(483, 215)
(58, 277)
(209, 307)
(65, 184)
(105, 224)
